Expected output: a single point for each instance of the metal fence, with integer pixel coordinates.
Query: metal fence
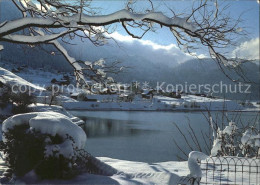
(230, 170)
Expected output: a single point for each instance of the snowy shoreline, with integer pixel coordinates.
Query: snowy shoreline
(187, 102)
(166, 110)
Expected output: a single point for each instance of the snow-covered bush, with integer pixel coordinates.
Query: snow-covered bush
(46, 142)
(226, 141)
(241, 139)
(54, 92)
(234, 141)
(5, 92)
(250, 142)
(20, 100)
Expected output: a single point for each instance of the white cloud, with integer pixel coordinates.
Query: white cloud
(248, 50)
(157, 46)
(128, 38)
(122, 38)
(166, 50)
(201, 56)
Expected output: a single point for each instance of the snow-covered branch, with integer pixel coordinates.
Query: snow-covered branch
(102, 20)
(26, 22)
(84, 71)
(35, 39)
(205, 26)
(77, 68)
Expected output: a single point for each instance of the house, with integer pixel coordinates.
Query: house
(107, 91)
(74, 96)
(82, 97)
(148, 93)
(174, 94)
(201, 95)
(158, 91)
(60, 82)
(125, 98)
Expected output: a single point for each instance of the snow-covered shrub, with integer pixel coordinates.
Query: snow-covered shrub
(234, 141)
(19, 99)
(226, 141)
(55, 91)
(221, 140)
(5, 92)
(46, 142)
(250, 142)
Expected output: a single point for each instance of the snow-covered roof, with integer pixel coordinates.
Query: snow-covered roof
(123, 95)
(146, 91)
(75, 94)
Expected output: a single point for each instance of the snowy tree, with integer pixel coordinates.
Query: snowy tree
(235, 141)
(55, 21)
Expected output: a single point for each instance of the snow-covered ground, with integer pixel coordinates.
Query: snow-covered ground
(138, 173)
(36, 78)
(10, 79)
(159, 103)
(231, 170)
(171, 172)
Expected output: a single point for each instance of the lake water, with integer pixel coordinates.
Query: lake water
(146, 136)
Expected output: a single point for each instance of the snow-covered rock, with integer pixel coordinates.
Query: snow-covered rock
(52, 123)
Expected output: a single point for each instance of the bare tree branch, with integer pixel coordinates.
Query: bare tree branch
(205, 26)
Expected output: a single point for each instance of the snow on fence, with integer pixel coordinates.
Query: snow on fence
(230, 170)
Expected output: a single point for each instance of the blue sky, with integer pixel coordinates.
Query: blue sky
(248, 47)
(249, 10)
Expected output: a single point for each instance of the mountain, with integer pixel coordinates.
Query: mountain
(145, 63)
(34, 56)
(206, 71)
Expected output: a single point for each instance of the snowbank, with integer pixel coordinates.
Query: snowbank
(51, 123)
(138, 173)
(10, 79)
(38, 107)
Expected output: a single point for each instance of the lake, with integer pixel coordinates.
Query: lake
(147, 136)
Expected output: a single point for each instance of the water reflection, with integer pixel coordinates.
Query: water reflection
(96, 127)
(146, 136)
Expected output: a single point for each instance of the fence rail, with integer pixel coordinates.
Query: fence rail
(230, 170)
